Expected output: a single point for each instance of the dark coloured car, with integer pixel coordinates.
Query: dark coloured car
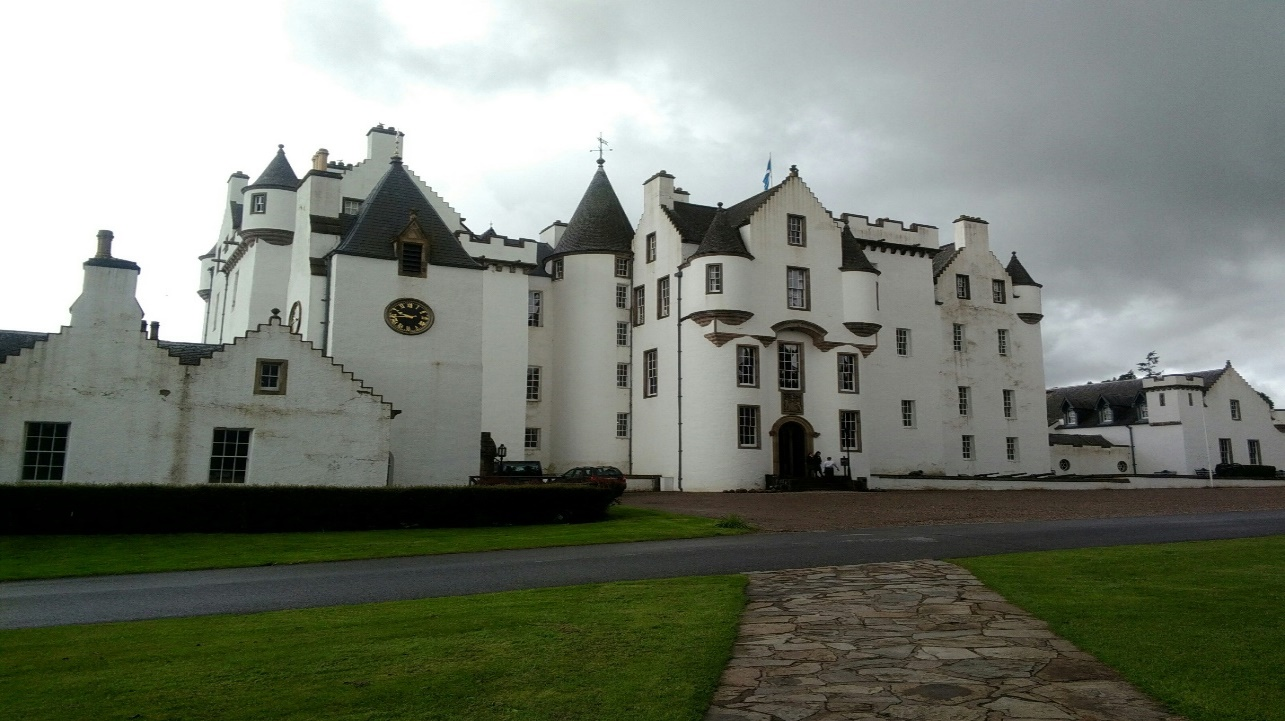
(604, 476)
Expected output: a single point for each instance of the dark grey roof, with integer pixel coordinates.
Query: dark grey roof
(189, 354)
(721, 238)
(692, 220)
(1078, 440)
(13, 342)
(278, 174)
(944, 256)
(236, 215)
(599, 224)
(387, 212)
(542, 253)
(1122, 396)
(1018, 273)
(854, 258)
(112, 263)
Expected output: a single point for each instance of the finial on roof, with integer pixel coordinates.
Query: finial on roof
(794, 170)
(720, 205)
(395, 160)
(276, 313)
(602, 147)
(281, 147)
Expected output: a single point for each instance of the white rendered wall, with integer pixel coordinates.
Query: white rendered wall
(504, 348)
(540, 353)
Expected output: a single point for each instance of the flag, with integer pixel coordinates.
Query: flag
(767, 177)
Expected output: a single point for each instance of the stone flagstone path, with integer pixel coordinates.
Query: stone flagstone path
(912, 640)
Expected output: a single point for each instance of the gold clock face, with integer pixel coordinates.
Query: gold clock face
(409, 316)
(296, 316)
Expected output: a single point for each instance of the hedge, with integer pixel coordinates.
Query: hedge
(1241, 470)
(91, 509)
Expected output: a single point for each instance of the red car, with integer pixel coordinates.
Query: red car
(604, 476)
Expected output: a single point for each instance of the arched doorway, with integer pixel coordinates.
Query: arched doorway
(791, 444)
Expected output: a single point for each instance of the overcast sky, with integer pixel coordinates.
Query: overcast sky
(1132, 153)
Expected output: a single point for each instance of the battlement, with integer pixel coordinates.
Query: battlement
(891, 230)
(1176, 380)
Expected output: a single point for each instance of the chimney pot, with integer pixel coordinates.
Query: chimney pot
(320, 159)
(104, 244)
(156, 330)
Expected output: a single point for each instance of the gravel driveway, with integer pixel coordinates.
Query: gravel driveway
(827, 511)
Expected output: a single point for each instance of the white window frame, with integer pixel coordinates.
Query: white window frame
(966, 450)
(270, 376)
(651, 247)
(907, 414)
(850, 431)
(1011, 450)
(1001, 338)
(531, 438)
(1226, 454)
(1010, 402)
(533, 383)
(662, 297)
(846, 367)
(789, 366)
(796, 230)
(747, 366)
(622, 296)
(1235, 409)
(258, 203)
(748, 427)
(902, 336)
(351, 206)
(713, 278)
(535, 309)
(1255, 452)
(558, 269)
(640, 304)
(622, 425)
(651, 373)
(225, 464)
(622, 333)
(963, 287)
(622, 375)
(999, 291)
(957, 337)
(622, 267)
(797, 295)
(964, 406)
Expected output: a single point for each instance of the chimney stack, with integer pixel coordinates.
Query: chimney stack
(320, 159)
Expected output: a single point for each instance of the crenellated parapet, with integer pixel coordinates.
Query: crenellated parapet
(892, 230)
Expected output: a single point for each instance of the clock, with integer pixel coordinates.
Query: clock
(296, 317)
(408, 316)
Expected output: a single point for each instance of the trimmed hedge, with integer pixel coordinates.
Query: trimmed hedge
(1241, 470)
(92, 509)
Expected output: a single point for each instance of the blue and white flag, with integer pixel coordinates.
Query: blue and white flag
(767, 177)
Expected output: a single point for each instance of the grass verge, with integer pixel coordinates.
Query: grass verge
(28, 557)
(1199, 626)
(632, 650)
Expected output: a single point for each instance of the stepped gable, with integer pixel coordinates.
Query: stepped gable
(854, 258)
(944, 256)
(721, 238)
(13, 342)
(599, 224)
(189, 354)
(1018, 273)
(692, 221)
(386, 213)
(278, 174)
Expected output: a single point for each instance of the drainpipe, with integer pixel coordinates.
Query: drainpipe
(679, 326)
(1133, 458)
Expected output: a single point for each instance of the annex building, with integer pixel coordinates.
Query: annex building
(358, 331)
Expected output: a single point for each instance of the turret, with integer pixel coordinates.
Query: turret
(720, 269)
(108, 301)
(269, 203)
(1027, 302)
(860, 287)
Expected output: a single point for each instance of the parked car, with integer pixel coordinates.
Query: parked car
(605, 476)
(508, 473)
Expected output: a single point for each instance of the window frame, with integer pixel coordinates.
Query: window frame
(559, 270)
(804, 290)
(258, 203)
(531, 438)
(907, 413)
(713, 278)
(1012, 450)
(965, 404)
(853, 434)
(622, 296)
(651, 247)
(1255, 450)
(1001, 340)
(651, 373)
(782, 350)
(401, 246)
(957, 337)
(622, 267)
(47, 461)
(901, 339)
(963, 287)
(344, 205)
(534, 378)
(639, 311)
(796, 230)
(662, 297)
(967, 447)
(1235, 409)
(749, 426)
(535, 308)
(234, 474)
(623, 426)
(622, 375)
(622, 334)
(1010, 403)
(1226, 453)
(999, 291)
(260, 366)
(854, 384)
(751, 353)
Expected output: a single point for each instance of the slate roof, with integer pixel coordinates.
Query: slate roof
(189, 354)
(542, 253)
(721, 238)
(692, 220)
(236, 215)
(13, 342)
(854, 258)
(1018, 273)
(1078, 440)
(386, 213)
(599, 224)
(1120, 395)
(944, 256)
(278, 174)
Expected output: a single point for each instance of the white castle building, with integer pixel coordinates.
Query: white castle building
(713, 346)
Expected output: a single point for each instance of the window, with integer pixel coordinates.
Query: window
(410, 258)
(622, 333)
(747, 426)
(535, 308)
(962, 289)
(531, 438)
(907, 414)
(796, 288)
(903, 341)
(622, 375)
(1069, 417)
(848, 381)
(1190, 402)
(622, 267)
(963, 400)
(747, 366)
(622, 425)
(622, 296)
(557, 269)
(44, 457)
(230, 455)
(957, 337)
(533, 383)
(1064, 464)
(789, 359)
(1001, 336)
(640, 300)
(796, 230)
(1224, 451)
(850, 430)
(258, 202)
(1008, 403)
(966, 447)
(714, 278)
(662, 297)
(999, 294)
(650, 373)
(1142, 409)
(1106, 414)
(270, 377)
(1255, 452)
(1010, 448)
(352, 206)
(1162, 399)
(1235, 410)
(651, 247)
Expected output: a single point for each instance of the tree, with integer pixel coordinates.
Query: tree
(1148, 367)
(1267, 398)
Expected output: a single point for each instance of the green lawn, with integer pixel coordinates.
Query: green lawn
(1199, 626)
(631, 650)
(25, 557)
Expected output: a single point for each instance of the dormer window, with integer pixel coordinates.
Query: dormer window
(352, 206)
(259, 203)
(1142, 409)
(1105, 414)
(1069, 418)
(411, 249)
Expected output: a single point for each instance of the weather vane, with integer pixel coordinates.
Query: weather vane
(602, 147)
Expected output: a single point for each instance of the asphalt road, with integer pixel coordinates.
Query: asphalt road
(246, 590)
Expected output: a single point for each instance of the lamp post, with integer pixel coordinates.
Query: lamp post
(502, 452)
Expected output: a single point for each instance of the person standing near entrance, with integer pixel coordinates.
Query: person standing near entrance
(814, 465)
(829, 467)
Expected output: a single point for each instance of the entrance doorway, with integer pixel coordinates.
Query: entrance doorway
(791, 450)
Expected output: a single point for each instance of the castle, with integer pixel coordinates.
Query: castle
(358, 331)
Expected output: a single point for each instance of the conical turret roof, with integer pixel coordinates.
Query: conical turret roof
(721, 238)
(599, 224)
(854, 258)
(385, 214)
(1019, 274)
(278, 174)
